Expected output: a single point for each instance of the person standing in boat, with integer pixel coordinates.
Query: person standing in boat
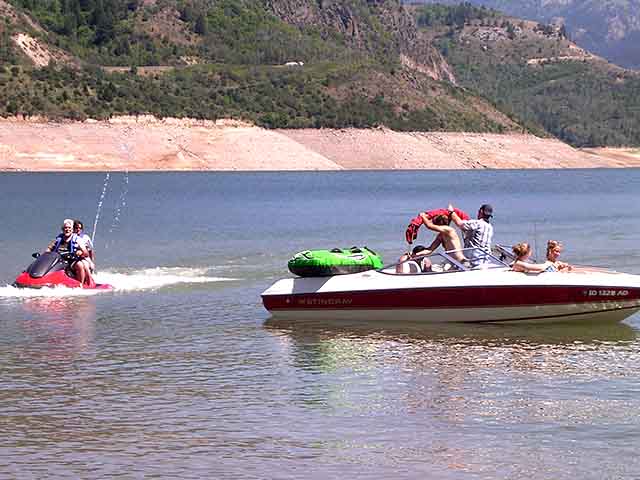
(446, 235)
(477, 233)
(67, 242)
(414, 225)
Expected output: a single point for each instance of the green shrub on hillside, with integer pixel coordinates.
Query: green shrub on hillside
(581, 102)
(574, 101)
(347, 80)
(104, 32)
(433, 15)
(273, 97)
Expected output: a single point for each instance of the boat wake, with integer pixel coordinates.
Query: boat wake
(122, 281)
(158, 277)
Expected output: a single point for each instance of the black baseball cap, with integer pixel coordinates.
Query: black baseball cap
(487, 210)
(417, 249)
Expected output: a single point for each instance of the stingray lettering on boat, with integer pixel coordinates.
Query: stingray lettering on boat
(324, 301)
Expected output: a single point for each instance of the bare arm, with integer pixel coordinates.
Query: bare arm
(51, 246)
(435, 244)
(454, 216)
(527, 267)
(432, 226)
(89, 246)
(82, 252)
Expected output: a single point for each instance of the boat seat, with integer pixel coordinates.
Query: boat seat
(409, 266)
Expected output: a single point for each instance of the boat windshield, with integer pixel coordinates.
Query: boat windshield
(447, 262)
(480, 259)
(504, 253)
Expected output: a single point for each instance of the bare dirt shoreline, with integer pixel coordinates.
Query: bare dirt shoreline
(149, 144)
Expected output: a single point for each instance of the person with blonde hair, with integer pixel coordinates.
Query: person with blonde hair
(554, 249)
(522, 251)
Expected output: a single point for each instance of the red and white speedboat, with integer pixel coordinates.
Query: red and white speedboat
(488, 291)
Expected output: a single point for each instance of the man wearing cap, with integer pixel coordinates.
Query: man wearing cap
(67, 242)
(477, 233)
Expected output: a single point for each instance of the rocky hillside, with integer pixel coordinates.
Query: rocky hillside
(312, 64)
(386, 29)
(609, 28)
(538, 74)
(145, 143)
(276, 63)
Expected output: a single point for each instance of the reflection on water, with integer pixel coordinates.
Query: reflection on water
(549, 350)
(466, 385)
(453, 354)
(544, 352)
(505, 333)
(58, 327)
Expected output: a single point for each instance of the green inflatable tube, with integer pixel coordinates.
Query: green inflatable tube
(339, 261)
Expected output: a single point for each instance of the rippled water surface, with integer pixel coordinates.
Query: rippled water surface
(180, 373)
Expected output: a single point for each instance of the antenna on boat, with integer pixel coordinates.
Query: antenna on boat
(535, 239)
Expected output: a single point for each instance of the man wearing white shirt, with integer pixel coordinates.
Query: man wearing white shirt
(477, 233)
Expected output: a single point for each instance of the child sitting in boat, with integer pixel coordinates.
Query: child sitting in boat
(522, 251)
(554, 249)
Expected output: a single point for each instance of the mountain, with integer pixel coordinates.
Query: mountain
(609, 28)
(312, 64)
(276, 63)
(537, 74)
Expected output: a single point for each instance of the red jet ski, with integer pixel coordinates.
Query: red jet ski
(51, 269)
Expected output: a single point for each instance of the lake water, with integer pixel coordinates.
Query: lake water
(178, 373)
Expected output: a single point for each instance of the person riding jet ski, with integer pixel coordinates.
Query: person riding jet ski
(67, 243)
(85, 240)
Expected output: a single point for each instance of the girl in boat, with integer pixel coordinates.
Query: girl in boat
(554, 249)
(522, 251)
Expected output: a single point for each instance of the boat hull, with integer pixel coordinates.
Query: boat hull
(560, 313)
(485, 297)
